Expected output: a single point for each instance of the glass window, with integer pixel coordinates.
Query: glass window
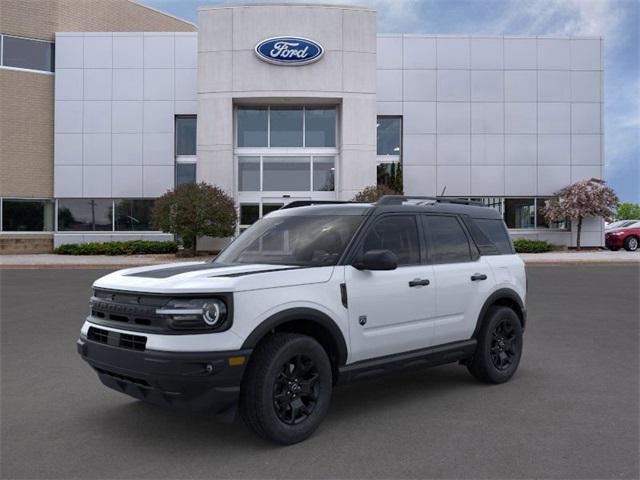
(286, 173)
(185, 173)
(492, 202)
(495, 231)
(390, 174)
(542, 221)
(448, 242)
(133, 215)
(270, 207)
(249, 174)
(310, 241)
(519, 212)
(83, 214)
(285, 125)
(252, 126)
(186, 135)
(324, 169)
(320, 127)
(397, 233)
(25, 53)
(249, 213)
(26, 215)
(389, 131)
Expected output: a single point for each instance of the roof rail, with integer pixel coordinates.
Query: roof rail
(307, 203)
(399, 199)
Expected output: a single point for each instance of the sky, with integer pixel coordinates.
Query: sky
(617, 21)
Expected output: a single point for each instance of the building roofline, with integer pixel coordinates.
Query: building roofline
(287, 4)
(164, 13)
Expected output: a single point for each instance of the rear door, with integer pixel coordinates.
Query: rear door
(462, 278)
(391, 311)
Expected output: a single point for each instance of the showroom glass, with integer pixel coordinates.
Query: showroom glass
(85, 215)
(249, 213)
(133, 215)
(309, 241)
(286, 173)
(186, 126)
(185, 173)
(248, 174)
(389, 134)
(24, 215)
(446, 239)
(253, 125)
(519, 212)
(397, 233)
(542, 221)
(26, 53)
(320, 127)
(494, 230)
(324, 169)
(286, 127)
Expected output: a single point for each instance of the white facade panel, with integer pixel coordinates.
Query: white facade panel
(98, 52)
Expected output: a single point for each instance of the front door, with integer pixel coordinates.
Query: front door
(391, 311)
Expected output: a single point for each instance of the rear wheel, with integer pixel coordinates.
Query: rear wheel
(631, 244)
(287, 388)
(499, 347)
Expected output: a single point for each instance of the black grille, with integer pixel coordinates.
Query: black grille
(116, 339)
(119, 376)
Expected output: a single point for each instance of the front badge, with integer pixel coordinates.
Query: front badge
(289, 51)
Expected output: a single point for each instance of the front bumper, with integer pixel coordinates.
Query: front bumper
(196, 381)
(614, 241)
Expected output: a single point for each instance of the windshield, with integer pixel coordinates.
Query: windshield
(620, 224)
(309, 241)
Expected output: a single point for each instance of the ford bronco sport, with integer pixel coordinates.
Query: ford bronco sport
(310, 297)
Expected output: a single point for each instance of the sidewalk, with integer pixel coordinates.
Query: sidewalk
(111, 262)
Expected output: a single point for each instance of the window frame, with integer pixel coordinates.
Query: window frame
(22, 69)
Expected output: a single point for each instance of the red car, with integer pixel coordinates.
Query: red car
(626, 237)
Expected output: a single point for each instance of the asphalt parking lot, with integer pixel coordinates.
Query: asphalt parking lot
(571, 411)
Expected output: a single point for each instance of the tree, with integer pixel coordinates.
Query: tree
(586, 198)
(628, 211)
(373, 193)
(195, 210)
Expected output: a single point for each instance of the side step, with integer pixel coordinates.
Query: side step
(426, 357)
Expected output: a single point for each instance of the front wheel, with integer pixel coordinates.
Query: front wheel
(287, 388)
(499, 346)
(631, 244)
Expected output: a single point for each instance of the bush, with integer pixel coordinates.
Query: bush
(524, 245)
(132, 247)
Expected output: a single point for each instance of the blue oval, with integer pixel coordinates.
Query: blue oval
(289, 50)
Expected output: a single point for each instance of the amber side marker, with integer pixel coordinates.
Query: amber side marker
(236, 361)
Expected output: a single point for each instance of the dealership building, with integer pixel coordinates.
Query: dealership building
(276, 103)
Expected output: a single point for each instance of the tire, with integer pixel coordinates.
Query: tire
(286, 390)
(499, 346)
(631, 243)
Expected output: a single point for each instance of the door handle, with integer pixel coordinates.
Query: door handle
(418, 282)
(478, 276)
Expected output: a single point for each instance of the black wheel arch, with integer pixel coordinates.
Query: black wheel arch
(307, 321)
(504, 297)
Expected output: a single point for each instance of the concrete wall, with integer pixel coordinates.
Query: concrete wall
(229, 72)
(495, 116)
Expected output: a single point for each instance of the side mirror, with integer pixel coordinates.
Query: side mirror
(377, 260)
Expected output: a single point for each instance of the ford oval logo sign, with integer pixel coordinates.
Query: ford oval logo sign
(289, 51)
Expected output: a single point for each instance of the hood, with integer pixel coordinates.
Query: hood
(207, 277)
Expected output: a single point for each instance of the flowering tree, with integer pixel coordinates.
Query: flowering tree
(195, 210)
(586, 198)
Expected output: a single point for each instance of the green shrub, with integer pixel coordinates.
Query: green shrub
(132, 247)
(524, 245)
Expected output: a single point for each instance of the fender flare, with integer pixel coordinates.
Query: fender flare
(304, 314)
(502, 293)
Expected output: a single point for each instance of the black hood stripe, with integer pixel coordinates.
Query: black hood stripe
(170, 272)
(255, 272)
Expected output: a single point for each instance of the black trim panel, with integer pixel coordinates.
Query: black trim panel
(426, 357)
(293, 314)
(171, 271)
(503, 293)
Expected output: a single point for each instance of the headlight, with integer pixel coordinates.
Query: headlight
(194, 313)
(616, 233)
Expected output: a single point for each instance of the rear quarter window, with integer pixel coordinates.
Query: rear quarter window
(495, 231)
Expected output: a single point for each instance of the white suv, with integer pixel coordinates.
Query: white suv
(309, 297)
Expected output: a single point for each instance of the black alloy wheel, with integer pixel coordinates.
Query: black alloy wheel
(503, 344)
(296, 390)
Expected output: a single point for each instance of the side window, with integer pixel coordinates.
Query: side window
(497, 233)
(398, 233)
(447, 240)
